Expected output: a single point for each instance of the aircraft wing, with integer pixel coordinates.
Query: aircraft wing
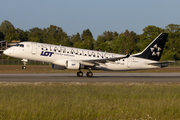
(105, 59)
(92, 62)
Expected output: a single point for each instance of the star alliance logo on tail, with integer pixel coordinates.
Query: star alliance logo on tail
(155, 50)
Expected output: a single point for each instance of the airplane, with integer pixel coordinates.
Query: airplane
(63, 57)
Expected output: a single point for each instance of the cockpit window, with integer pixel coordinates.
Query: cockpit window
(19, 45)
(16, 45)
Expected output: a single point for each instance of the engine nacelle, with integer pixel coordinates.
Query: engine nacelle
(69, 64)
(72, 65)
(58, 67)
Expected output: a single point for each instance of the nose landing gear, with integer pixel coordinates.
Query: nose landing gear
(24, 67)
(24, 62)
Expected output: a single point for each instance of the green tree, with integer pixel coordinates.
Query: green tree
(10, 35)
(172, 28)
(35, 35)
(105, 40)
(86, 33)
(150, 33)
(5, 26)
(88, 43)
(34, 39)
(23, 36)
(119, 44)
(125, 42)
(78, 45)
(1, 36)
(115, 34)
(131, 40)
(105, 47)
(174, 36)
(76, 38)
(171, 50)
(108, 35)
(99, 41)
(56, 35)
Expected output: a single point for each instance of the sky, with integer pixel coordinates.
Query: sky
(74, 16)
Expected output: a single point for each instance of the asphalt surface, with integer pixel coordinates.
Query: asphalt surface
(98, 77)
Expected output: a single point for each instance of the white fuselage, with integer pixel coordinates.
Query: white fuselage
(52, 53)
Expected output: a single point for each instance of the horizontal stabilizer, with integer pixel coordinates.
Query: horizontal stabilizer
(163, 63)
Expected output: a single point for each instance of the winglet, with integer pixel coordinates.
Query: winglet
(129, 54)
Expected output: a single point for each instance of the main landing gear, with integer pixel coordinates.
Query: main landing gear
(24, 62)
(88, 74)
(79, 74)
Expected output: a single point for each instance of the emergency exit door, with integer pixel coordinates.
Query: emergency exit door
(129, 62)
(34, 48)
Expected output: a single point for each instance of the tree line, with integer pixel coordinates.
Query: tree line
(109, 41)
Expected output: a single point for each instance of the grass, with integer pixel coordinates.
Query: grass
(86, 101)
(48, 69)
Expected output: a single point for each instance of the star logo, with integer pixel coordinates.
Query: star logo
(155, 50)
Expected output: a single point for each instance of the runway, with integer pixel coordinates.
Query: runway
(98, 77)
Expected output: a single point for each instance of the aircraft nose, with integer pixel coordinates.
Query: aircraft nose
(7, 52)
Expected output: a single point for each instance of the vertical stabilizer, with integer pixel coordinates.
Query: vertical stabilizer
(154, 50)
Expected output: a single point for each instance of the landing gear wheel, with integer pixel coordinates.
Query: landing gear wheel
(24, 62)
(89, 74)
(79, 74)
(23, 67)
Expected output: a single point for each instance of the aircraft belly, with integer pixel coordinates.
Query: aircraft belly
(135, 65)
(117, 67)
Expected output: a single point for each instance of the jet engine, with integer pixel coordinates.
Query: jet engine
(73, 65)
(68, 64)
